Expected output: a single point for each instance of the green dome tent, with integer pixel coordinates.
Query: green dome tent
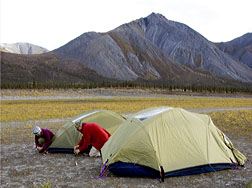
(168, 141)
(67, 136)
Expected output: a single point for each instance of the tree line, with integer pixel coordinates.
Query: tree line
(128, 84)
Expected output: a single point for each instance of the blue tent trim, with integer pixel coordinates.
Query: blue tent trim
(67, 150)
(60, 150)
(199, 169)
(131, 169)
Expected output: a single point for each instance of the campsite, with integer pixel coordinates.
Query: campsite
(22, 166)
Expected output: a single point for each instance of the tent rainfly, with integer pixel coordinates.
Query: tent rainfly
(67, 136)
(164, 141)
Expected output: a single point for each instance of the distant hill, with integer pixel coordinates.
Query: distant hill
(50, 69)
(150, 50)
(16, 68)
(239, 48)
(22, 48)
(152, 46)
(131, 58)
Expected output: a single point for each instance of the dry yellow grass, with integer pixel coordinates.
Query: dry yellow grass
(230, 122)
(24, 110)
(237, 123)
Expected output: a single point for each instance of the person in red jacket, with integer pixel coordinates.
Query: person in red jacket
(92, 134)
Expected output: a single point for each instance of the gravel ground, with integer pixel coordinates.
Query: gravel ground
(22, 166)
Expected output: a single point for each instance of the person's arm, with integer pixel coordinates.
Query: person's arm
(36, 141)
(86, 141)
(81, 141)
(48, 141)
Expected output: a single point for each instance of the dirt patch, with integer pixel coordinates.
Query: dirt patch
(22, 166)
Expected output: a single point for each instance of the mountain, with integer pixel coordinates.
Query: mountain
(18, 68)
(148, 50)
(123, 56)
(22, 48)
(152, 46)
(188, 47)
(239, 48)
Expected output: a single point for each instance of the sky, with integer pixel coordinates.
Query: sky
(53, 23)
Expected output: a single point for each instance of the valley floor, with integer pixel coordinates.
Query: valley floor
(22, 166)
(24, 94)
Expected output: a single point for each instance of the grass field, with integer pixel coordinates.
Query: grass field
(24, 110)
(233, 122)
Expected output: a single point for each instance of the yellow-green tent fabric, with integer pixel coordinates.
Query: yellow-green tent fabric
(172, 139)
(67, 136)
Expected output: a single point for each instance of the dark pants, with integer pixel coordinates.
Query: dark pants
(87, 150)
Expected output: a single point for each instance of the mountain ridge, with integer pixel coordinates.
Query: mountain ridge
(239, 48)
(152, 50)
(177, 43)
(22, 48)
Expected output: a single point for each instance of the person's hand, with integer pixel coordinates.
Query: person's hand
(39, 148)
(76, 151)
(45, 153)
(76, 147)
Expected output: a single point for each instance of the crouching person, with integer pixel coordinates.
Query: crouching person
(43, 139)
(92, 134)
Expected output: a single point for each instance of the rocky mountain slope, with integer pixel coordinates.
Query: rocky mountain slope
(152, 46)
(115, 55)
(188, 47)
(22, 48)
(239, 48)
(16, 68)
(148, 50)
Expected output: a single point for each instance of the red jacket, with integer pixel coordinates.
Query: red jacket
(93, 134)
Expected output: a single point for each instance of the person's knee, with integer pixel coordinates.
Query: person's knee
(41, 141)
(94, 152)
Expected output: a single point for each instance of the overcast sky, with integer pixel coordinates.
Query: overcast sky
(53, 23)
